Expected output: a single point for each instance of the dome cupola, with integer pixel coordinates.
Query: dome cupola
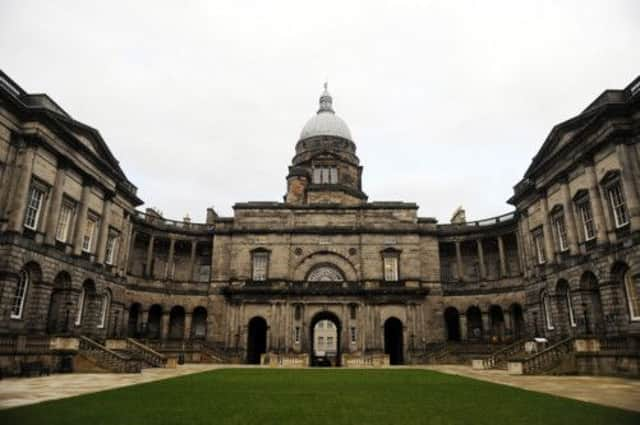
(325, 122)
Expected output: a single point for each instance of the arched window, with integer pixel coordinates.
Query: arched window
(546, 307)
(104, 309)
(325, 273)
(20, 295)
(632, 290)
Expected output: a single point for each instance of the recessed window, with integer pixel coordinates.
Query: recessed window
(89, 234)
(353, 334)
(325, 175)
(586, 215)
(34, 205)
(104, 309)
(81, 302)
(617, 203)
(112, 246)
(390, 267)
(260, 265)
(538, 242)
(297, 334)
(20, 295)
(561, 232)
(64, 222)
(632, 290)
(546, 307)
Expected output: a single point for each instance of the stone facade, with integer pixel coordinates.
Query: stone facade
(76, 256)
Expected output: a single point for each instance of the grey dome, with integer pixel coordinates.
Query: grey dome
(325, 122)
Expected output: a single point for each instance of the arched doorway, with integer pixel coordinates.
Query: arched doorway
(176, 322)
(256, 340)
(393, 341)
(517, 319)
(565, 308)
(452, 323)
(593, 315)
(497, 323)
(133, 327)
(153, 324)
(59, 317)
(325, 345)
(474, 323)
(199, 323)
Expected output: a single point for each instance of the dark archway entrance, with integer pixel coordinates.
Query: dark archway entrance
(318, 355)
(393, 341)
(452, 322)
(133, 327)
(199, 323)
(474, 324)
(59, 319)
(176, 322)
(153, 324)
(256, 340)
(497, 323)
(517, 319)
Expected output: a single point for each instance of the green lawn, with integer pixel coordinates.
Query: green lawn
(317, 396)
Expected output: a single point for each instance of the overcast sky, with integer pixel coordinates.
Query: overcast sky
(203, 103)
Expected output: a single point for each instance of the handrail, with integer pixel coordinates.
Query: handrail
(501, 354)
(114, 360)
(545, 358)
(147, 353)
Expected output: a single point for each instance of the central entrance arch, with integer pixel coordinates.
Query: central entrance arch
(393, 343)
(256, 340)
(322, 351)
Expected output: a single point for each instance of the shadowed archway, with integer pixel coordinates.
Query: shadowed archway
(335, 357)
(256, 339)
(393, 341)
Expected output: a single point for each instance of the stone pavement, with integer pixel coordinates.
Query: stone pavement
(20, 391)
(615, 392)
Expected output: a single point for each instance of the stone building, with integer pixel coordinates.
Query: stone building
(78, 258)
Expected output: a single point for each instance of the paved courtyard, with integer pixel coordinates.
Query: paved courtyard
(614, 392)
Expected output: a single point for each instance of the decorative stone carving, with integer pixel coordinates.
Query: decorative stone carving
(325, 274)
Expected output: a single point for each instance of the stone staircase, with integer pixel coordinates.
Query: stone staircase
(499, 359)
(148, 356)
(105, 358)
(553, 360)
(217, 354)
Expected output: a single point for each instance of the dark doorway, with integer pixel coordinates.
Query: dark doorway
(331, 327)
(393, 344)
(452, 322)
(474, 324)
(176, 322)
(497, 323)
(133, 328)
(517, 318)
(153, 325)
(199, 323)
(256, 340)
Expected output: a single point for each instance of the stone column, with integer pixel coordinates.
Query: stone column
(168, 270)
(192, 263)
(546, 230)
(81, 219)
(503, 260)
(459, 262)
(463, 327)
(483, 270)
(24, 164)
(148, 266)
(599, 217)
(629, 185)
(164, 325)
(54, 207)
(103, 234)
(569, 219)
(132, 242)
(188, 319)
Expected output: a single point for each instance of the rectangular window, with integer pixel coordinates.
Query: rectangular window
(297, 334)
(329, 342)
(561, 232)
(34, 204)
(390, 268)
(616, 199)
(588, 225)
(353, 334)
(325, 175)
(89, 233)
(260, 264)
(64, 222)
(320, 342)
(538, 241)
(112, 245)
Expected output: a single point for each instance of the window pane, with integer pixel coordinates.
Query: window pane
(334, 175)
(64, 221)
(317, 175)
(19, 295)
(32, 213)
